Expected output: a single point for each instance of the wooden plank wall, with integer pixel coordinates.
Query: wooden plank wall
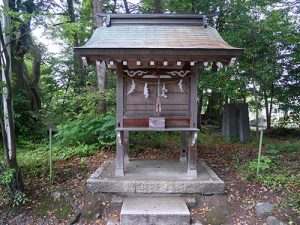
(177, 104)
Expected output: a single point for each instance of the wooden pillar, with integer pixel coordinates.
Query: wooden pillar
(120, 154)
(120, 113)
(126, 147)
(192, 147)
(183, 147)
(192, 155)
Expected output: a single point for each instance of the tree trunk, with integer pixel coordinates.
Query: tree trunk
(126, 6)
(256, 113)
(158, 7)
(268, 117)
(100, 66)
(36, 74)
(215, 102)
(78, 65)
(19, 47)
(97, 8)
(271, 106)
(7, 121)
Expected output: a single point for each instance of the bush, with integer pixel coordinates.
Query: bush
(283, 132)
(281, 148)
(264, 164)
(88, 129)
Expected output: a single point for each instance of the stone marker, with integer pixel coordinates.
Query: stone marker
(155, 210)
(243, 122)
(235, 122)
(229, 123)
(271, 220)
(263, 208)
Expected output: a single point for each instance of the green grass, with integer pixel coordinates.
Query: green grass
(33, 158)
(31, 154)
(279, 169)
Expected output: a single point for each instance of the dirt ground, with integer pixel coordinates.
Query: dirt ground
(235, 207)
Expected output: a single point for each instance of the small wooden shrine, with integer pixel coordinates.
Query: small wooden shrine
(157, 59)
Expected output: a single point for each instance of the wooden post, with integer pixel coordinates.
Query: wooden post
(120, 110)
(120, 154)
(183, 147)
(192, 155)
(126, 147)
(192, 147)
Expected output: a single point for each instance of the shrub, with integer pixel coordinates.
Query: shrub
(276, 149)
(88, 129)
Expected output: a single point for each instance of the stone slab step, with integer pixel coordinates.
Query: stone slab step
(154, 211)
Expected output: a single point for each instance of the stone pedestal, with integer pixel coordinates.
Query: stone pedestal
(156, 177)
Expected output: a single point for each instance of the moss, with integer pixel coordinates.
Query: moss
(60, 208)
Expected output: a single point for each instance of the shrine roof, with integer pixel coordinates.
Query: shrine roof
(137, 34)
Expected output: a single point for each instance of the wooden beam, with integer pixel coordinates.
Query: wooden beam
(150, 54)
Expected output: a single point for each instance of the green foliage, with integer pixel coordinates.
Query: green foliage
(273, 173)
(284, 132)
(88, 130)
(6, 176)
(264, 164)
(139, 141)
(20, 198)
(32, 155)
(287, 147)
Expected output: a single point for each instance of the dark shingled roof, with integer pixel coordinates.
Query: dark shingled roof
(162, 32)
(157, 36)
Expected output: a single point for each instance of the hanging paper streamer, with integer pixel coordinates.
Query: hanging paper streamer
(164, 90)
(146, 91)
(180, 86)
(132, 88)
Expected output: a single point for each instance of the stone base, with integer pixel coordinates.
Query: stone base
(158, 211)
(155, 176)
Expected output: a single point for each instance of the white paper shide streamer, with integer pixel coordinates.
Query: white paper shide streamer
(146, 90)
(180, 86)
(132, 88)
(164, 90)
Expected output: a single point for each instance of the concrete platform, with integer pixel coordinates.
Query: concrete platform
(154, 211)
(155, 176)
